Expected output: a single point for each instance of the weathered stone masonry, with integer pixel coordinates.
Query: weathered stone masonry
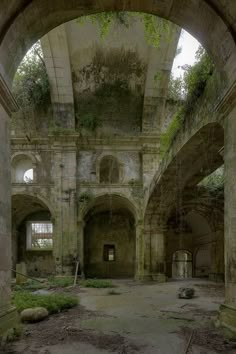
(212, 23)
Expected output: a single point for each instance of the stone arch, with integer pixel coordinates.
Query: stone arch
(39, 203)
(217, 34)
(197, 226)
(203, 146)
(117, 198)
(20, 164)
(29, 211)
(109, 238)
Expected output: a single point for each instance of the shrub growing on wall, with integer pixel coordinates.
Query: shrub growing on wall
(31, 84)
(185, 93)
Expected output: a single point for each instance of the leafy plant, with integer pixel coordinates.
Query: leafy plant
(176, 92)
(167, 137)
(53, 303)
(154, 28)
(30, 285)
(59, 282)
(195, 79)
(85, 197)
(88, 121)
(31, 84)
(186, 92)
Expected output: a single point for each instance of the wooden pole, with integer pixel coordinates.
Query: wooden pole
(189, 343)
(27, 276)
(76, 272)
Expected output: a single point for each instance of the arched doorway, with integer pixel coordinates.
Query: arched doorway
(32, 235)
(109, 239)
(182, 264)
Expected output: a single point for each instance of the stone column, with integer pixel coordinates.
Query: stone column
(81, 226)
(139, 264)
(8, 315)
(65, 245)
(158, 255)
(228, 310)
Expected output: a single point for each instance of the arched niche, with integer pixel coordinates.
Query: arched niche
(109, 238)
(23, 168)
(32, 234)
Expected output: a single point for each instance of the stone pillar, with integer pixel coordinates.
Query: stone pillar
(158, 256)
(81, 226)
(65, 245)
(228, 310)
(8, 315)
(139, 264)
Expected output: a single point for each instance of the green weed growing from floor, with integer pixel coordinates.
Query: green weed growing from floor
(97, 283)
(54, 303)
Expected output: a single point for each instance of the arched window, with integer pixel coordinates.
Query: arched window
(182, 264)
(109, 170)
(22, 169)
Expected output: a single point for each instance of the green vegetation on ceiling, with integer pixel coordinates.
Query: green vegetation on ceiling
(154, 27)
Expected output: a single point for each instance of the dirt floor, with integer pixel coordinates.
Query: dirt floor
(138, 318)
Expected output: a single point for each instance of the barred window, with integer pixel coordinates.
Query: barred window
(109, 253)
(39, 235)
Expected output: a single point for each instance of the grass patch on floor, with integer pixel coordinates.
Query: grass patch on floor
(30, 285)
(50, 283)
(60, 282)
(97, 283)
(54, 303)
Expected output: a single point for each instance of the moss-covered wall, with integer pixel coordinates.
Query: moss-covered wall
(109, 92)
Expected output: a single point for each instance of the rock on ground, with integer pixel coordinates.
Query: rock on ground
(186, 293)
(34, 314)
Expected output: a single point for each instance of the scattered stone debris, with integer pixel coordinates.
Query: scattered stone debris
(43, 334)
(35, 314)
(186, 293)
(210, 339)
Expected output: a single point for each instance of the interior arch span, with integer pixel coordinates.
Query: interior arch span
(216, 34)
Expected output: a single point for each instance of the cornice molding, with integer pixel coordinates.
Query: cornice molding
(226, 103)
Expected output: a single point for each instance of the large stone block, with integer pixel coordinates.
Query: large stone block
(9, 320)
(227, 320)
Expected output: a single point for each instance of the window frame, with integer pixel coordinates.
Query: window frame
(106, 248)
(29, 236)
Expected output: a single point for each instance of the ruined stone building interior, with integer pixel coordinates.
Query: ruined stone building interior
(115, 166)
(92, 156)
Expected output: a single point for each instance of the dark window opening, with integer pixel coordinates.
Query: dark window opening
(109, 253)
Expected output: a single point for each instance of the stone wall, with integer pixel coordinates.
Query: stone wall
(110, 228)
